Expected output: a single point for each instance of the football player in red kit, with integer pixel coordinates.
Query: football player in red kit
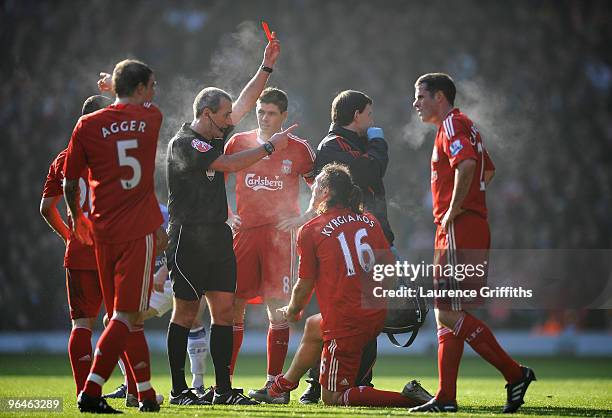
(460, 172)
(82, 284)
(338, 250)
(267, 195)
(118, 144)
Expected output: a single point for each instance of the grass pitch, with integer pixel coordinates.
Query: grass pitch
(565, 387)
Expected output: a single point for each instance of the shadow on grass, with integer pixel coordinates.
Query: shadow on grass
(540, 410)
(32, 364)
(321, 411)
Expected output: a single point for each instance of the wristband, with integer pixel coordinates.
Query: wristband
(269, 147)
(266, 69)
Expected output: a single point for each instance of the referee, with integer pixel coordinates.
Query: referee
(200, 255)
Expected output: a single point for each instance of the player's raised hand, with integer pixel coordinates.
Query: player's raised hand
(83, 231)
(279, 139)
(272, 51)
(105, 83)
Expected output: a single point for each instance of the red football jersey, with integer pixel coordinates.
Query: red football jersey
(77, 255)
(336, 250)
(268, 191)
(458, 140)
(118, 144)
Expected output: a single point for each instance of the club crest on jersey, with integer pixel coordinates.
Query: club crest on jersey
(434, 155)
(455, 147)
(201, 145)
(286, 167)
(210, 173)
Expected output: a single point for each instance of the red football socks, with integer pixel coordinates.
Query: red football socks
(79, 352)
(368, 396)
(282, 385)
(479, 336)
(137, 352)
(278, 342)
(450, 350)
(238, 332)
(129, 376)
(109, 347)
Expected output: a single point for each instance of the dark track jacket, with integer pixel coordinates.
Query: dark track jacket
(367, 161)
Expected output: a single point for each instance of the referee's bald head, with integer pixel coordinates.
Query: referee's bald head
(94, 103)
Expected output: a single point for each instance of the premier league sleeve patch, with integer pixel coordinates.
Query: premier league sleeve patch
(455, 147)
(201, 146)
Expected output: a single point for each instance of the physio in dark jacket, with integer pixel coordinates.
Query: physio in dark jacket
(352, 140)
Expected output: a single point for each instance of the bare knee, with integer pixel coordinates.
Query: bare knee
(83, 323)
(273, 316)
(222, 315)
(312, 329)
(447, 319)
(221, 306)
(331, 398)
(184, 312)
(239, 309)
(131, 319)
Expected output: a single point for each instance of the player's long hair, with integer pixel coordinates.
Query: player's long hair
(343, 192)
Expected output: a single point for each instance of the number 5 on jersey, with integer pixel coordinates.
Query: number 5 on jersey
(126, 160)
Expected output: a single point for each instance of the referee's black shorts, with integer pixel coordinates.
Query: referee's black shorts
(200, 258)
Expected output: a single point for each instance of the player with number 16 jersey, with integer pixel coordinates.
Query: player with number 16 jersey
(341, 234)
(338, 251)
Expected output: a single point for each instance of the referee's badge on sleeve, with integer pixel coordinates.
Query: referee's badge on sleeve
(200, 145)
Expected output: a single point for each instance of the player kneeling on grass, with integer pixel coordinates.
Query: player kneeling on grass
(336, 250)
(309, 353)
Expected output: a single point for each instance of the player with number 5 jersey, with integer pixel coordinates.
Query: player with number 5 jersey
(118, 144)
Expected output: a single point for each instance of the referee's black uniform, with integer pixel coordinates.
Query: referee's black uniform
(200, 254)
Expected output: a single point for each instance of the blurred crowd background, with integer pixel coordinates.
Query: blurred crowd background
(536, 76)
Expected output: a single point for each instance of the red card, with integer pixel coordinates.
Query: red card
(266, 29)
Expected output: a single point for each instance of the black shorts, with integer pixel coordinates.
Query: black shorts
(200, 258)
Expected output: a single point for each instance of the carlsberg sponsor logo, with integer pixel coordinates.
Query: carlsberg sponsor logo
(262, 183)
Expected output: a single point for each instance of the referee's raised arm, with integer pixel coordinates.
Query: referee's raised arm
(249, 94)
(200, 254)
